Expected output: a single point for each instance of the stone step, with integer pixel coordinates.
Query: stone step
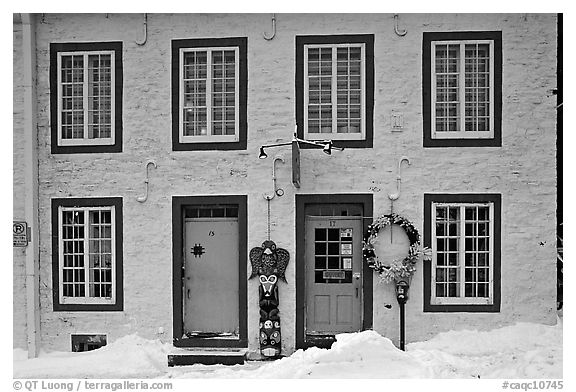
(207, 356)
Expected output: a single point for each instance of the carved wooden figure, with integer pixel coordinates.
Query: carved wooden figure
(269, 263)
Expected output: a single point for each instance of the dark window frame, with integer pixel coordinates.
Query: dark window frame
(368, 40)
(242, 44)
(115, 202)
(496, 199)
(55, 48)
(427, 39)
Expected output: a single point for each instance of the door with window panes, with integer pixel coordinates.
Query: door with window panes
(333, 274)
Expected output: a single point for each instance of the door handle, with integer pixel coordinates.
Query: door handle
(356, 292)
(188, 293)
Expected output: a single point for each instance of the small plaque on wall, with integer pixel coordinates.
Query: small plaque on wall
(20, 234)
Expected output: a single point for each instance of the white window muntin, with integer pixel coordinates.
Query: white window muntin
(209, 138)
(334, 135)
(85, 140)
(86, 299)
(462, 133)
(462, 299)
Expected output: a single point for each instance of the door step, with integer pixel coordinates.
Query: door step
(207, 356)
(319, 340)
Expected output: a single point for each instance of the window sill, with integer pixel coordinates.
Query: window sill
(462, 308)
(86, 148)
(462, 142)
(95, 307)
(208, 145)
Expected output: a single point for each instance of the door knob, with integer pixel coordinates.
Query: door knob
(356, 275)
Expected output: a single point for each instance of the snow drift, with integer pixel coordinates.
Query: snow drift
(521, 351)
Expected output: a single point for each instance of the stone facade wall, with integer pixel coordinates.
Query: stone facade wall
(522, 170)
(18, 211)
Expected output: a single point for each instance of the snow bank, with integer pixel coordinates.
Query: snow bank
(520, 351)
(524, 350)
(128, 357)
(354, 355)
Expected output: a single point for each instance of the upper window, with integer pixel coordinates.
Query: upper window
(463, 232)
(86, 96)
(87, 254)
(209, 94)
(335, 88)
(462, 84)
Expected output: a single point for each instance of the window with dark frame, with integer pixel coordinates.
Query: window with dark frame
(335, 88)
(86, 97)
(209, 87)
(463, 232)
(462, 89)
(87, 254)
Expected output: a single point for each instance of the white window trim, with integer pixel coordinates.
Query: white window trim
(209, 138)
(334, 135)
(462, 134)
(462, 299)
(85, 140)
(64, 300)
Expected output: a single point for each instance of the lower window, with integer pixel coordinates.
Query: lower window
(83, 342)
(87, 254)
(463, 232)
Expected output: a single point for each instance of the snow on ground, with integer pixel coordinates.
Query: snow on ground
(524, 350)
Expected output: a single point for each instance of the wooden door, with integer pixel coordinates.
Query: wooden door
(333, 274)
(211, 287)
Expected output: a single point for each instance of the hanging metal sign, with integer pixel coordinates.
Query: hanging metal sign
(20, 234)
(295, 164)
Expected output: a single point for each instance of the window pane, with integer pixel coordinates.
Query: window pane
(447, 69)
(477, 87)
(473, 247)
(223, 92)
(349, 89)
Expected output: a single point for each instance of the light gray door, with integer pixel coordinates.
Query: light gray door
(333, 274)
(210, 287)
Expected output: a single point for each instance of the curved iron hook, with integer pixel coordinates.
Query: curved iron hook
(398, 32)
(395, 196)
(273, 29)
(141, 43)
(270, 196)
(142, 199)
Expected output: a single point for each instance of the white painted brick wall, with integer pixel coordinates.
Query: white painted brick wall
(18, 254)
(522, 170)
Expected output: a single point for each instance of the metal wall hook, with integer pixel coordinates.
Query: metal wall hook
(142, 199)
(396, 30)
(141, 43)
(273, 29)
(277, 191)
(395, 196)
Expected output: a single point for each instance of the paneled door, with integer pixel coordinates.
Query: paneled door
(333, 274)
(211, 277)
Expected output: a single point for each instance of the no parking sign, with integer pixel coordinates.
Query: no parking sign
(20, 233)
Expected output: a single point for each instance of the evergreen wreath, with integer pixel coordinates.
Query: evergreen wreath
(397, 269)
